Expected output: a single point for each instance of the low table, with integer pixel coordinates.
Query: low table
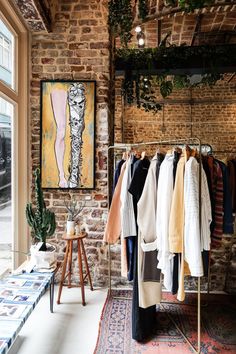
(19, 295)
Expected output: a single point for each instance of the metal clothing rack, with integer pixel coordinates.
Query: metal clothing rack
(173, 142)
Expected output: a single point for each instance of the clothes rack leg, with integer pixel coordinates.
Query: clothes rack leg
(199, 316)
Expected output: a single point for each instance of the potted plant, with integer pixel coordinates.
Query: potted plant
(43, 224)
(73, 209)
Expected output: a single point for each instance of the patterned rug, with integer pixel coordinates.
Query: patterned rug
(218, 330)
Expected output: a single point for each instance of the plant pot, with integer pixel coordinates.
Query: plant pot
(70, 228)
(43, 259)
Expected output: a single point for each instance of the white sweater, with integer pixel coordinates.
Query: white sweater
(128, 223)
(164, 199)
(194, 241)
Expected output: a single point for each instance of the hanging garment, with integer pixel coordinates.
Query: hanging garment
(176, 228)
(234, 163)
(149, 292)
(232, 186)
(149, 270)
(117, 174)
(227, 203)
(164, 199)
(218, 202)
(175, 284)
(139, 174)
(176, 223)
(128, 223)
(113, 225)
(143, 319)
(194, 240)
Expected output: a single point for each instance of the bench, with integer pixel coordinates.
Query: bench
(19, 295)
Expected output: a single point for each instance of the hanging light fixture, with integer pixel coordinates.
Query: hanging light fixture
(138, 29)
(140, 37)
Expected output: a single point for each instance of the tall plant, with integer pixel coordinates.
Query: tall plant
(40, 219)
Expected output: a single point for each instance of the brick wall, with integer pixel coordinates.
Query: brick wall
(78, 48)
(214, 123)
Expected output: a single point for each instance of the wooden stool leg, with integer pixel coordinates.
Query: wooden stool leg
(86, 265)
(63, 273)
(81, 273)
(70, 263)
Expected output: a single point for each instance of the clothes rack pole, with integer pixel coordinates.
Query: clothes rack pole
(170, 142)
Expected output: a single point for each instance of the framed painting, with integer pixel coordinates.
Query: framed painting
(67, 134)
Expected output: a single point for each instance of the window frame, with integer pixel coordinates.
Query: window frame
(18, 96)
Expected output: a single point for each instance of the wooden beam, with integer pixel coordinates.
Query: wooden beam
(231, 77)
(197, 28)
(158, 32)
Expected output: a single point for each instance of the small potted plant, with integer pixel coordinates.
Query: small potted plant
(43, 223)
(73, 208)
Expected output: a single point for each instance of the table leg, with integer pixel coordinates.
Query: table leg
(70, 263)
(86, 265)
(52, 292)
(81, 273)
(63, 274)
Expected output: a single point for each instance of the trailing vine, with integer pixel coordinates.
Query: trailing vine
(142, 9)
(120, 19)
(142, 83)
(142, 90)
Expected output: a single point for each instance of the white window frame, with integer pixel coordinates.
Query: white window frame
(3, 41)
(18, 96)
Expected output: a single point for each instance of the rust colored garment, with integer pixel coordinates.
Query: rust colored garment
(113, 226)
(218, 196)
(232, 176)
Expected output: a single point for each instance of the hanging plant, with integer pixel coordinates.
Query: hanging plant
(120, 19)
(142, 9)
(142, 90)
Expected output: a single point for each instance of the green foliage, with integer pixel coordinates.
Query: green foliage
(166, 88)
(120, 19)
(191, 5)
(40, 219)
(141, 90)
(142, 9)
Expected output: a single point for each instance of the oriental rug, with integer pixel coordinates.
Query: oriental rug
(218, 330)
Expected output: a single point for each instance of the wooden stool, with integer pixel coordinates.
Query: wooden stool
(68, 260)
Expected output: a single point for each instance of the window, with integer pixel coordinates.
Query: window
(13, 137)
(6, 54)
(6, 239)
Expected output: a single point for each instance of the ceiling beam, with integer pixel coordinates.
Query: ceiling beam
(197, 28)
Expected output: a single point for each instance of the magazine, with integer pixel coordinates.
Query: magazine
(8, 293)
(9, 329)
(3, 344)
(15, 282)
(11, 311)
(33, 285)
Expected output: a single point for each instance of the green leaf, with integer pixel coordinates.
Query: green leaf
(166, 88)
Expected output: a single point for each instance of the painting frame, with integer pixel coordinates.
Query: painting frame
(67, 134)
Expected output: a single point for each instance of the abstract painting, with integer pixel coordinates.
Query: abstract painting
(67, 134)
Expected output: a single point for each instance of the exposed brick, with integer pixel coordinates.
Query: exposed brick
(61, 54)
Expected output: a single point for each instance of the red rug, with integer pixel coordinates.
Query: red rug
(218, 330)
